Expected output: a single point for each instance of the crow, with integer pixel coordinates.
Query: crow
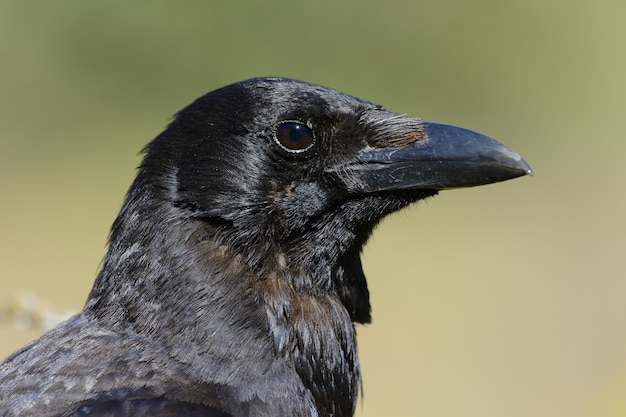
(232, 281)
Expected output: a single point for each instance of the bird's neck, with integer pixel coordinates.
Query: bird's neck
(172, 280)
(316, 333)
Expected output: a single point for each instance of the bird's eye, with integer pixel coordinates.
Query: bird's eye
(294, 136)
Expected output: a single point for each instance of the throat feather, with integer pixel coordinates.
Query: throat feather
(316, 334)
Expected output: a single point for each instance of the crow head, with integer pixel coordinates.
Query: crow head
(294, 175)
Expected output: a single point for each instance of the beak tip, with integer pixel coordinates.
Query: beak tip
(529, 170)
(525, 167)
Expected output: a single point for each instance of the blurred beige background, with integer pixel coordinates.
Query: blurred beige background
(504, 300)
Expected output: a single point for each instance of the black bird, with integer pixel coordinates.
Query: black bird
(232, 280)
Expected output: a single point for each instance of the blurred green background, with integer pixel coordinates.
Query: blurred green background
(504, 300)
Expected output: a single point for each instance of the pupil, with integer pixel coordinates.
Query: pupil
(295, 134)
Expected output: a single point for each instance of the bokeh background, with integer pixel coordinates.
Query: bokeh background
(503, 300)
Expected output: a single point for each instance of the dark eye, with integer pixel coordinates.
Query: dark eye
(294, 136)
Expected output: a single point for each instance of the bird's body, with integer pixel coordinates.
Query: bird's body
(232, 280)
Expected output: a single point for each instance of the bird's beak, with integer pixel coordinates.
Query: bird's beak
(444, 157)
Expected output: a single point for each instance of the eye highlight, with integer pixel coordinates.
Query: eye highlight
(294, 136)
